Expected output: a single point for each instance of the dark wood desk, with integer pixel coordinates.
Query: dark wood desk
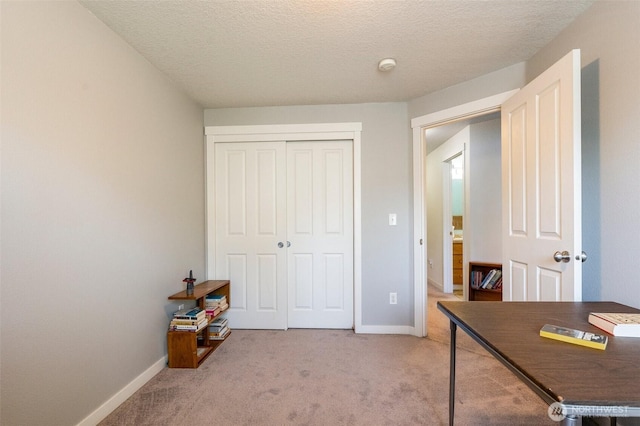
(581, 380)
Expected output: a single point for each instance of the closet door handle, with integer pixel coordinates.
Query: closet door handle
(280, 244)
(288, 243)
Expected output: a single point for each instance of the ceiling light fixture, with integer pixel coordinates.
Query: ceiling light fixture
(387, 64)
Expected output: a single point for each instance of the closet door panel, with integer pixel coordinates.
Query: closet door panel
(250, 203)
(320, 230)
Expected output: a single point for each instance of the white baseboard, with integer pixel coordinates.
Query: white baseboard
(386, 329)
(435, 284)
(121, 396)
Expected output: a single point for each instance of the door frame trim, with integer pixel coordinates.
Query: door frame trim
(418, 125)
(289, 132)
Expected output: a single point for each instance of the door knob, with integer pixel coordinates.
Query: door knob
(562, 257)
(288, 243)
(280, 244)
(582, 256)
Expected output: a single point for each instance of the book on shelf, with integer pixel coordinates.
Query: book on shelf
(219, 322)
(215, 304)
(221, 335)
(214, 300)
(215, 297)
(217, 327)
(177, 321)
(476, 279)
(487, 278)
(618, 324)
(217, 330)
(212, 312)
(190, 314)
(498, 283)
(491, 283)
(577, 337)
(176, 325)
(187, 328)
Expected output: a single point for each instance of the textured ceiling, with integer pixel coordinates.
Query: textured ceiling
(304, 52)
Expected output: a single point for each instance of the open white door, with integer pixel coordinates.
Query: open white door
(541, 187)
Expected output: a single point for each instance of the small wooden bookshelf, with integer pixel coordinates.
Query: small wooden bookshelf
(478, 271)
(188, 349)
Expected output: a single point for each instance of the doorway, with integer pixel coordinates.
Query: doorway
(445, 195)
(420, 125)
(463, 198)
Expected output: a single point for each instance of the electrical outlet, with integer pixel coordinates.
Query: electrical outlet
(393, 298)
(180, 307)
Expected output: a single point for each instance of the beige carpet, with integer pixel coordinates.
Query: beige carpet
(336, 377)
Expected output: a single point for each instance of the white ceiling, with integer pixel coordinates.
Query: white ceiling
(243, 53)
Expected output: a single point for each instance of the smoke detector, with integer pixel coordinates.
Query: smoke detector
(387, 64)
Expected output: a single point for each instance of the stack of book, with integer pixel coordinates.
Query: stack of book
(493, 280)
(215, 304)
(190, 319)
(218, 329)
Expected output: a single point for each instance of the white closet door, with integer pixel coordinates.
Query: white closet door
(320, 232)
(250, 188)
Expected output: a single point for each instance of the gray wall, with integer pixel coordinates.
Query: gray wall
(608, 35)
(485, 193)
(387, 264)
(503, 80)
(102, 211)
